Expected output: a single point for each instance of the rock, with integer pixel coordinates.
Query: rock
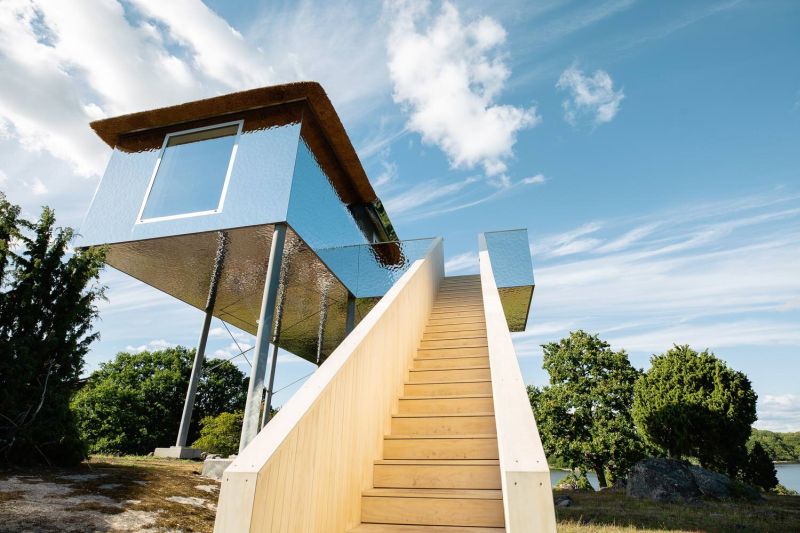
(563, 501)
(711, 484)
(670, 480)
(660, 479)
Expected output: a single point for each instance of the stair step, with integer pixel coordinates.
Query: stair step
(446, 405)
(453, 343)
(439, 320)
(440, 447)
(471, 297)
(453, 352)
(477, 327)
(454, 334)
(437, 474)
(457, 388)
(441, 507)
(456, 312)
(444, 375)
(450, 362)
(395, 528)
(456, 306)
(447, 424)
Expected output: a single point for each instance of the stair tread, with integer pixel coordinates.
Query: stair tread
(397, 528)
(400, 436)
(442, 415)
(447, 382)
(448, 369)
(439, 397)
(475, 494)
(440, 462)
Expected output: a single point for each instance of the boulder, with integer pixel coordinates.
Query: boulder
(563, 501)
(669, 480)
(662, 479)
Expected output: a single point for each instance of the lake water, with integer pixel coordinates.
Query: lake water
(788, 476)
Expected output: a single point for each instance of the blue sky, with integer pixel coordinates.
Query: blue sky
(652, 149)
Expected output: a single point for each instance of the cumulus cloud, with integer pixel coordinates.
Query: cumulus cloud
(779, 412)
(447, 74)
(589, 95)
(153, 345)
(468, 261)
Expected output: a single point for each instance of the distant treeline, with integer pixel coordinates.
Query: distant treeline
(779, 446)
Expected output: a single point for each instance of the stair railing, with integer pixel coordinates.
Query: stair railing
(525, 475)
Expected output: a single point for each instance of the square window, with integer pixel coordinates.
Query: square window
(192, 173)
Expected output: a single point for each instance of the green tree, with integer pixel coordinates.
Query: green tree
(760, 470)
(48, 296)
(134, 403)
(779, 446)
(691, 404)
(583, 414)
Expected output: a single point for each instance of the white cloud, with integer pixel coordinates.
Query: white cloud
(534, 180)
(468, 261)
(589, 95)
(447, 75)
(153, 345)
(779, 412)
(425, 193)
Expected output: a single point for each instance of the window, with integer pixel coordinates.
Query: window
(191, 175)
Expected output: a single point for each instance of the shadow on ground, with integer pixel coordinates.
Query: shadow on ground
(109, 494)
(612, 512)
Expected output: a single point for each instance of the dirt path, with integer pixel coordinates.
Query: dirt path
(109, 494)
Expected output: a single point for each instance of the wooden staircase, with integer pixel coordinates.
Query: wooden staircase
(440, 470)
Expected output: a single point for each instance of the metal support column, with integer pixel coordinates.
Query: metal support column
(271, 387)
(351, 313)
(200, 353)
(252, 410)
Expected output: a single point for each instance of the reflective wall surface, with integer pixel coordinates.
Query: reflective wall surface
(510, 255)
(257, 192)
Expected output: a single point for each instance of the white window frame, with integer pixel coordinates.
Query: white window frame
(223, 194)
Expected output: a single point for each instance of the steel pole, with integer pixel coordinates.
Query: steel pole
(200, 353)
(268, 402)
(351, 313)
(252, 410)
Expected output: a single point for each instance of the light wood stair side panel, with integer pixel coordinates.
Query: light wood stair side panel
(525, 475)
(361, 380)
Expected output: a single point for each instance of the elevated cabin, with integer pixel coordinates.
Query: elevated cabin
(254, 208)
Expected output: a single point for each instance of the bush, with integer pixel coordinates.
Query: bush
(760, 470)
(220, 434)
(575, 481)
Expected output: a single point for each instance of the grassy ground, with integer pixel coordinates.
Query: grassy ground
(146, 494)
(109, 494)
(613, 512)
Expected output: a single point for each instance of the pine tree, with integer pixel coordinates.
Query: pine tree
(47, 306)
